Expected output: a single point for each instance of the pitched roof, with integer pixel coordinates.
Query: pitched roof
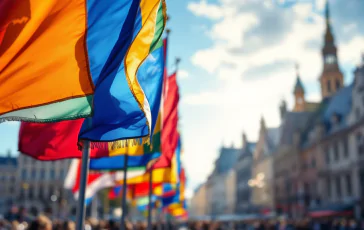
(9, 161)
(272, 138)
(339, 104)
(251, 146)
(299, 85)
(293, 121)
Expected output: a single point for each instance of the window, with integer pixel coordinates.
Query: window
(52, 174)
(34, 174)
(359, 144)
(61, 174)
(338, 85)
(328, 86)
(313, 163)
(348, 185)
(338, 186)
(42, 174)
(327, 155)
(31, 193)
(346, 147)
(336, 151)
(306, 187)
(357, 113)
(24, 174)
(328, 182)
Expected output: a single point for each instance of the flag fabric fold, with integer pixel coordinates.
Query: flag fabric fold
(76, 74)
(170, 136)
(96, 181)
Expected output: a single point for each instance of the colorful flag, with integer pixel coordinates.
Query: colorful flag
(58, 140)
(118, 162)
(115, 192)
(159, 190)
(73, 70)
(170, 134)
(96, 181)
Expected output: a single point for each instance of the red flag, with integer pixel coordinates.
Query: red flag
(58, 140)
(169, 134)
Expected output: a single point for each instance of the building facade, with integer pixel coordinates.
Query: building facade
(40, 185)
(198, 206)
(262, 181)
(243, 170)
(8, 180)
(230, 188)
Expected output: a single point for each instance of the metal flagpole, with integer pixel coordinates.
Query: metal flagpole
(80, 218)
(160, 220)
(123, 202)
(150, 201)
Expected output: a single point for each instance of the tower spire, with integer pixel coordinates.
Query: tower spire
(299, 92)
(329, 38)
(298, 86)
(297, 67)
(327, 12)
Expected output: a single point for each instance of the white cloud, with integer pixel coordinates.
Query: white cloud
(241, 99)
(204, 9)
(183, 74)
(350, 52)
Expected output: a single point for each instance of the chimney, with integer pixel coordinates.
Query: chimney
(245, 140)
(283, 109)
(262, 123)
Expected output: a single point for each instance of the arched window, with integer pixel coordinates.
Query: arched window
(338, 84)
(328, 86)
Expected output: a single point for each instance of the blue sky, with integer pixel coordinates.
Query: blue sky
(237, 64)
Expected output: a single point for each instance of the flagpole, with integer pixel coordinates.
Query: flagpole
(123, 202)
(150, 201)
(178, 60)
(80, 218)
(160, 225)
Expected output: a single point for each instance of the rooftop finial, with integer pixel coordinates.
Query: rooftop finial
(297, 67)
(327, 11)
(327, 17)
(178, 60)
(262, 122)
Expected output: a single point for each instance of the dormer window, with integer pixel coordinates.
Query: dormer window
(335, 120)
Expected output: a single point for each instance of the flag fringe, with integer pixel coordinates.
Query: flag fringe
(114, 145)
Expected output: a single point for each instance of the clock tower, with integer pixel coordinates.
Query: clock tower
(331, 78)
(299, 94)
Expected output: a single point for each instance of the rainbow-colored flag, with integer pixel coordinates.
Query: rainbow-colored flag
(67, 59)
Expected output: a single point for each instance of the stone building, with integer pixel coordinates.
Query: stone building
(8, 181)
(40, 185)
(286, 164)
(262, 181)
(330, 173)
(243, 170)
(223, 165)
(198, 206)
(230, 191)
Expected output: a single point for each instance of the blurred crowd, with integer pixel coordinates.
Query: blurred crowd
(281, 224)
(19, 219)
(42, 222)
